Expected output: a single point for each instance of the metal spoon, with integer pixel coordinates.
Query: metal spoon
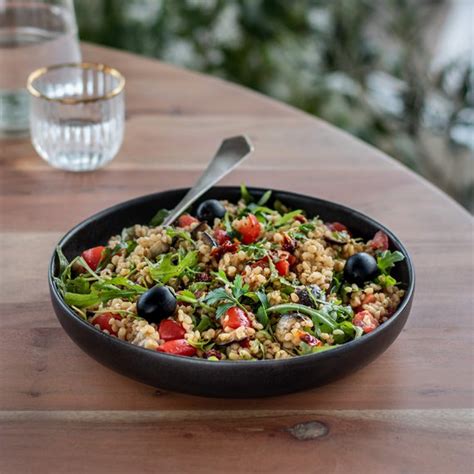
(232, 151)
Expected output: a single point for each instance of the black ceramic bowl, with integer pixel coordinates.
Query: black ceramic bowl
(237, 379)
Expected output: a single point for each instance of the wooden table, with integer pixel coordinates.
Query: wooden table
(60, 411)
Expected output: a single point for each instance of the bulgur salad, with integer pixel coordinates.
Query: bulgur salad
(238, 281)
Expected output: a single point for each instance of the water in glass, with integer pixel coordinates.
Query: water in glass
(33, 33)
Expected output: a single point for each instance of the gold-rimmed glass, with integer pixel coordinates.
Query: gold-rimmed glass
(77, 114)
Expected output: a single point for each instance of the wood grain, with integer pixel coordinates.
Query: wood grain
(410, 411)
(367, 441)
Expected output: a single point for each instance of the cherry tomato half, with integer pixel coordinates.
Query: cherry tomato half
(380, 241)
(177, 347)
(250, 229)
(170, 330)
(103, 320)
(185, 220)
(283, 267)
(93, 256)
(235, 318)
(365, 320)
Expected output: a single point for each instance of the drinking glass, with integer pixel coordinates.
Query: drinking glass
(77, 114)
(33, 33)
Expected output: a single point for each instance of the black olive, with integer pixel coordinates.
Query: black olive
(209, 210)
(156, 304)
(304, 297)
(359, 268)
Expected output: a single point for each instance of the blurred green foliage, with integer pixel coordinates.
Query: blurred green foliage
(335, 59)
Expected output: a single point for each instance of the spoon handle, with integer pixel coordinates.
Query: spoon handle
(232, 151)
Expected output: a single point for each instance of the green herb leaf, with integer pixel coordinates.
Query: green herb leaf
(182, 234)
(217, 295)
(317, 316)
(265, 198)
(262, 316)
(78, 285)
(204, 324)
(223, 308)
(63, 261)
(288, 217)
(159, 217)
(80, 300)
(306, 227)
(173, 266)
(245, 195)
(386, 260)
(186, 296)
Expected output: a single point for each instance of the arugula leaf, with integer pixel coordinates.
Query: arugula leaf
(386, 260)
(228, 225)
(186, 296)
(78, 285)
(265, 198)
(336, 282)
(202, 345)
(245, 195)
(166, 269)
(182, 234)
(159, 217)
(262, 316)
(80, 300)
(317, 316)
(280, 207)
(204, 324)
(288, 217)
(306, 227)
(63, 261)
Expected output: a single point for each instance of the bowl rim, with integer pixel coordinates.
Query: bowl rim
(232, 364)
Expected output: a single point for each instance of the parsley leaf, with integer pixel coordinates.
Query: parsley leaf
(173, 266)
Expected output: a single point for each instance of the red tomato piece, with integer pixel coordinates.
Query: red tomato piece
(235, 318)
(221, 236)
(177, 347)
(336, 227)
(291, 260)
(93, 256)
(186, 220)
(368, 299)
(250, 229)
(283, 267)
(103, 320)
(170, 330)
(380, 241)
(226, 247)
(365, 320)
